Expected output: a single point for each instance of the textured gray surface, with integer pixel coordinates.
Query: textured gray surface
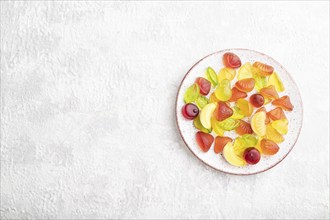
(87, 109)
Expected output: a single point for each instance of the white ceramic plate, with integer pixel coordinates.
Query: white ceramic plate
(216, 161)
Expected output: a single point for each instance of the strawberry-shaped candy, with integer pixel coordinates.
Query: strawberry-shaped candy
(222, 111)
(204, 140)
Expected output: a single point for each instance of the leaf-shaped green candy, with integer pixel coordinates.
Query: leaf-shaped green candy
(261, 81)
(229, 124)
(212, 76)
(192, 93)
(201, 101)
(244, 142)
(249, 140)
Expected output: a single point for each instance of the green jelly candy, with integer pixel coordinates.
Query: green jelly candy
(212, 76)
(201, 101)
(192, 93)
(229, 124)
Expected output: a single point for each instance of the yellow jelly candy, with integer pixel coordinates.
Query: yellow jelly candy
(226, 73)
(231, 156)
(199, 126)
(273, 135)
(223, 91)
(245, 71)
(258, 144)
(217, 128)
(213, 98)
(245, 107)
(258, 123)
(236, 113)
(275, 80)
(281, 126)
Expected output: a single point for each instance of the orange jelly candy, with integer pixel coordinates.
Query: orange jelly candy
(220, 143)
(276, 114)
(264, 69)
(245, 85)
(236, 94)
(222, 111)
(269, 92)
(244, 128)
(268, 147)
(204, 140)
(283, 102)
(262, 109)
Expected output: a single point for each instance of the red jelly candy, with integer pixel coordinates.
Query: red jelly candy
(204, 140)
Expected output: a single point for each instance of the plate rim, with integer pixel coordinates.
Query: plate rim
(226, 172)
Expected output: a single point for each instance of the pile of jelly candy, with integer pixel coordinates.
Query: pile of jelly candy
(218, 106)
